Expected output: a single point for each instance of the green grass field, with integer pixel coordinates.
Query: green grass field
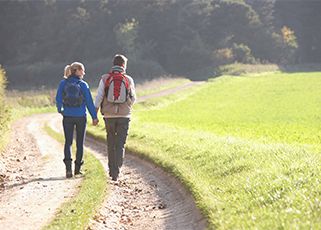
(248, 148)
(278, 107)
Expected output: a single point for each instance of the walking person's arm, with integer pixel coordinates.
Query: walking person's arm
(59, 104)
(132, 93)
(90, 104)
(100, 94)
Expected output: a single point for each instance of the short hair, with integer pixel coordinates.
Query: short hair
(120, 60)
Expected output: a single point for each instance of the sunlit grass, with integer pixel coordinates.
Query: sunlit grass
(32, 98)
(236, 182)
(248, 148)
(159, 84)
(275, 107)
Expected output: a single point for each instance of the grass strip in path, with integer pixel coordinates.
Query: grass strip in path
(76, 213)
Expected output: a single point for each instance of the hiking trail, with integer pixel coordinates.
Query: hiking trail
(34, 185)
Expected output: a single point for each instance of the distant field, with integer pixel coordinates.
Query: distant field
(279, 107)
(247, 147)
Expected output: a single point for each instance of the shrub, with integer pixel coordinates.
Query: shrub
(2, 83)
(243, 54)
(4, 111)
(222, 56)
(237, 69)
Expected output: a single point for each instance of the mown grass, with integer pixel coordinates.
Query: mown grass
(248, 148)
(273, 107)
(76, 213)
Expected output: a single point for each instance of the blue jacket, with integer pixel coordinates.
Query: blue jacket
(76, 111)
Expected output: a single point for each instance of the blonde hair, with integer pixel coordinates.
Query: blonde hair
(71, 69)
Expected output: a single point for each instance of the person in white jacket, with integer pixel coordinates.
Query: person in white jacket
(115, 97)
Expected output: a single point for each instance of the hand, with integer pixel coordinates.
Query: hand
(95, 122)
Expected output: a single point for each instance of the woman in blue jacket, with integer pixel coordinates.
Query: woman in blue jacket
(73, 96)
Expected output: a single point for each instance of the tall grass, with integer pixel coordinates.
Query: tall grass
(31, 98)
(237, 69)
(3, 82)
(159, 84)
(4, 109)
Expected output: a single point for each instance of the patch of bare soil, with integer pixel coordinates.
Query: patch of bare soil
(32, 173)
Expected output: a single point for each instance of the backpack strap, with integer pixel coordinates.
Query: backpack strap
(109, 77)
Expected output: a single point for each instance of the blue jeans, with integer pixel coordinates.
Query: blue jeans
(117, 131)
(69, 123)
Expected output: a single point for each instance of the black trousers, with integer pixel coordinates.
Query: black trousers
(69, 123)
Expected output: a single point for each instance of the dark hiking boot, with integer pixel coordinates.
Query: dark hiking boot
(78, 173)
(68, 168)
(68, 174)
(77, 168)
(113, 176)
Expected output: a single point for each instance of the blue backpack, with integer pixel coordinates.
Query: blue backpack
(72, 94)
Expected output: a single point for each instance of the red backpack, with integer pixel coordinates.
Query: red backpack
(117, 87)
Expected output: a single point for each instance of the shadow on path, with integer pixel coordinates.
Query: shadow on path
(39, 179)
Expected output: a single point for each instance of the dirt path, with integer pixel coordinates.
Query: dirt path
(170, 91)
(145, 197)
(34, 184)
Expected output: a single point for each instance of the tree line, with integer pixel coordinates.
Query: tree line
(181, 37)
